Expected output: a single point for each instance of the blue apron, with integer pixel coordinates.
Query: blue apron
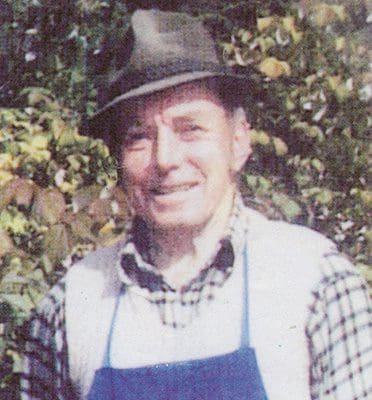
(232, 376)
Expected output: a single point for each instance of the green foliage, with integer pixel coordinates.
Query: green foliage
(311, 149)
(58, 198)
(57, 201)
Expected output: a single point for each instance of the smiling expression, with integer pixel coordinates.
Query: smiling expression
(180, 156)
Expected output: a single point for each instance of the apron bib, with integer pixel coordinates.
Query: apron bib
(232, 376)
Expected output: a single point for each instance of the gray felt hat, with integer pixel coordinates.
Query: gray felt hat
(164, 49)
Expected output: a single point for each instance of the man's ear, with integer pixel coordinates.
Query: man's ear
(241, 145)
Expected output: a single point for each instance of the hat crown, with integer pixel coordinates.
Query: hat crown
(161, 37)
(160, 50)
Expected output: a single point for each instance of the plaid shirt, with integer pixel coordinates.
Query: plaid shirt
(338, 327)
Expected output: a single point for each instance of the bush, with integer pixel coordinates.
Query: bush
(58, 200)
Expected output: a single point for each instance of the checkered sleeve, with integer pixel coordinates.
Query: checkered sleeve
(339, 334)
(45, 370)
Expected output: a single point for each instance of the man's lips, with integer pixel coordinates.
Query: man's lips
(169, 189)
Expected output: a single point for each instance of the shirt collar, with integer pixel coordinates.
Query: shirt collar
(134, 262)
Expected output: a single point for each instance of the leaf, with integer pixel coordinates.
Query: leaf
(24, 191)
(5, 177)
(273, 68)
(100, 210)
(6, 243)
(326, 14)
(280, 146)
(7, 194)
(317, 164)
(289, 23)
(287, 206)
(264, 23)
(366, 197)
(13, 221)
(334, 81)
(340, 43)
(325, 196)
(55, 243)
(81, 225)
(6, 161)
(85, 196)
(259, 137)
(49, 206)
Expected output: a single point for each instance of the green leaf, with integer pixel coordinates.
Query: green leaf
(287, 206)
(55, 243)
(325, 196)
(49, 206)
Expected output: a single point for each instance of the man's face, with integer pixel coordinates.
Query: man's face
(179, 157)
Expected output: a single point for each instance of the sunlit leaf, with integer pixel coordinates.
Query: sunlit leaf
(273, 68)
(280, 146)
(264, 23)
(289, 207)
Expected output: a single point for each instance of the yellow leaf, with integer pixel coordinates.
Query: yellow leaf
(297, 36)
(263, 138)
(366, 197)
(68, 187)
(5, 177)
(6, 161)
(334, 81)
(107, 228)
(289, 24)
(265, 43)
(58, 127)
(326, 14)
(15, 223)
(39, 142)
(340, 43)
(289, 104)
(280, 146)
(264, 23)
(273, 68)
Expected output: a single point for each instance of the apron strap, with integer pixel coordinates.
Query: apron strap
(245, 339)
(106, 363)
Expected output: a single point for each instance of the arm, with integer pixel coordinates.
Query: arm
(45, 367)
(339, 334)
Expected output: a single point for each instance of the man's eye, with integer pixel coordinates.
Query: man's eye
(195, 128)
(190, 130)
(135, 138)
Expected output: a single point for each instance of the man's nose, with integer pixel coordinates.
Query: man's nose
(167, 149)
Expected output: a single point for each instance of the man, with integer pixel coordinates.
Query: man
(204, 298)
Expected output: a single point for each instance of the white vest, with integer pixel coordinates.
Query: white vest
(284, 268)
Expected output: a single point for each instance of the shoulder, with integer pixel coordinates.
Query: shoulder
(96, 268)
(287, 236)
(301, 256)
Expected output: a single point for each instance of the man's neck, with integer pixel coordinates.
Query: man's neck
(181, 253)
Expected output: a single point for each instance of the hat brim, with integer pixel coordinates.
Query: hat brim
(165, 83)
(234, 82)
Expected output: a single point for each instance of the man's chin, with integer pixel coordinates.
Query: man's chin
(171, 221)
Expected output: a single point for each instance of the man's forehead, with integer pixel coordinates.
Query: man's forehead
(186, 94)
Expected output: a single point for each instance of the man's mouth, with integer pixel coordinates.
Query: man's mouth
(170, 189)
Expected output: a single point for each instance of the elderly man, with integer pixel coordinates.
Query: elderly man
(205, 298)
